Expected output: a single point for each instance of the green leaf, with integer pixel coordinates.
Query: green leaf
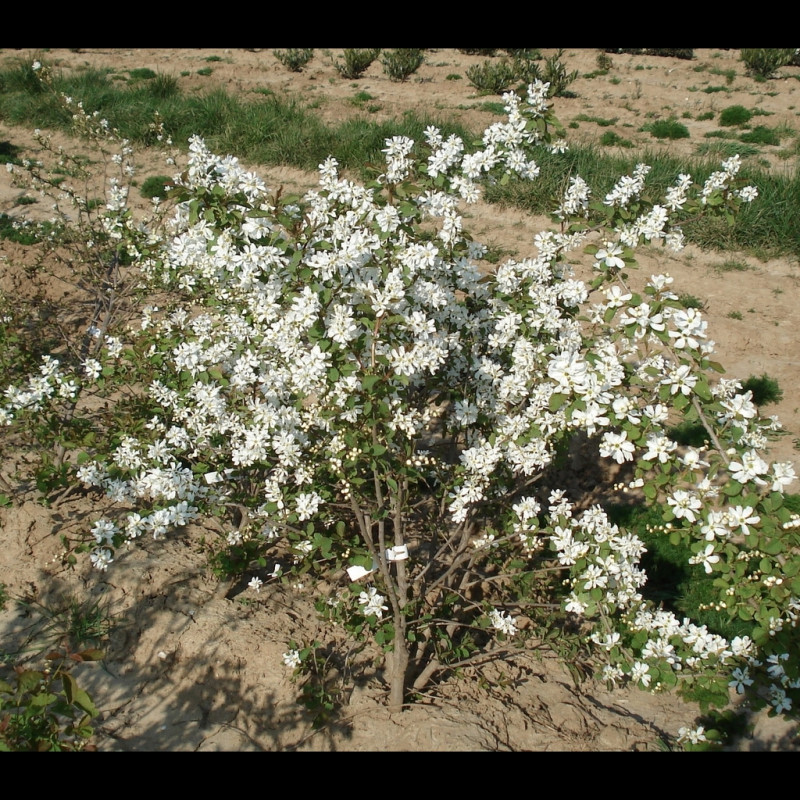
(701, 389)
(70, 687)
(29, 680)
(772, 547)
(732, 488)
(42, 700)
(82, 700)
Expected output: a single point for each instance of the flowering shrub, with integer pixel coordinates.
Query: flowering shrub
(339, 381)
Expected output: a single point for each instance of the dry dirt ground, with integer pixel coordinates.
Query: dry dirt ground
(192, 665)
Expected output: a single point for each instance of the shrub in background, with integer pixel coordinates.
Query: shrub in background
(294, 59)
(355, 62)
(763, 62)
(399, 64)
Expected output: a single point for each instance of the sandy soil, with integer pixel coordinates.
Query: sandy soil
(195, 666)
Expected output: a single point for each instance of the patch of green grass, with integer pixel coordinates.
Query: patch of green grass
(728, 74)
(715, 89)
(726, 149)
(142, 74)
(732, 265)
(25, 200)
(68, 622)
(735, 115)
(214, 58)
(360, 98)
(493, 108)
(263, 128)
(205, 71)
(735, 315)
(691, 301)
(163, 86)
(612, 139)
(704, 116)
(761, 135)
(601, 121)
(667, 129)
(454, 76)
(615, 81)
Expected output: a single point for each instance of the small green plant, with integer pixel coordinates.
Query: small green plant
(554, 72)
(25, 200)
(726, 149)
(492, 77)
(454, 76)
(475, 51)
(762, 62)
(735, 315)
(732, 265)
(604, 61)
(667, 129)
(46, 710)
(761, 134)
(142, 74)
(728, 74)
(715, 89)
(205, 71)
(493, 108)
(704, 116)
(355, 62)
(765, 390)
(214, 58)
(67, 624)
(691, 301)
(163, 87)
(155, 186)
(294, 59)
(400, 63)
(735, 115)
(601, 121)
(613, 139)
(322, 689)
(361, 97)
(524, 52)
